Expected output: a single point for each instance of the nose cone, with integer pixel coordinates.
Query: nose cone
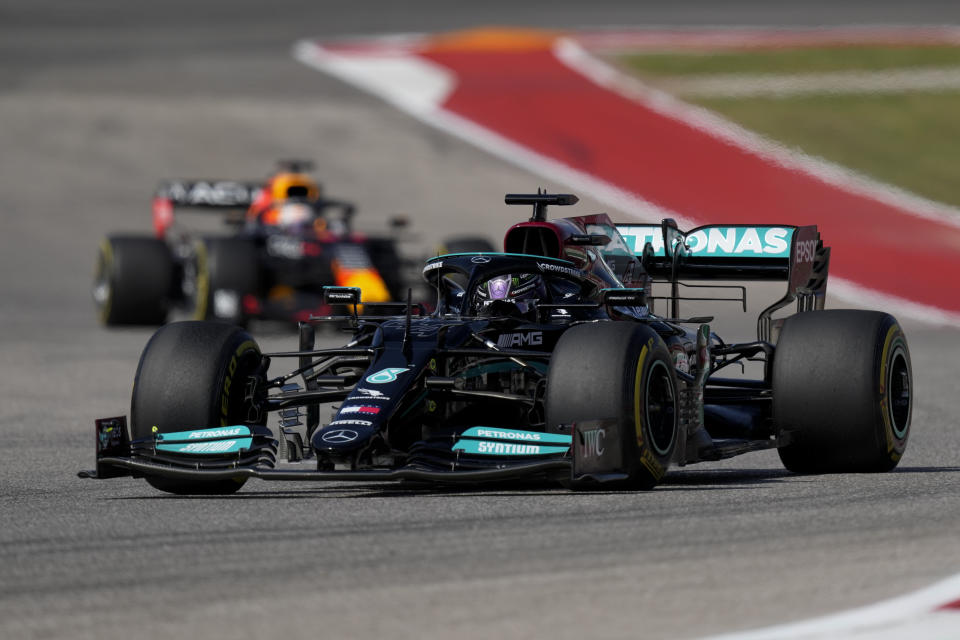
(342, 436)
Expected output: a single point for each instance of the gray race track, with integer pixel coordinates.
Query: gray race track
(100, 99)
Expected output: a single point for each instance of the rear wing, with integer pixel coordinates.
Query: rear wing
(217, 195)
(736, 252)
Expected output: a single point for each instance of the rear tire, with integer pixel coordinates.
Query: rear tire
(133, 281)
(193, 375)
(227, 270)
(615, 379)
(842, 384)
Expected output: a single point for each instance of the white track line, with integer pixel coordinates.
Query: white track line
(426, 84)
(670, 38)
(577, 58)
(781, 85)
(865, 298)
(350, 69)
(573, 55)
(916, 615)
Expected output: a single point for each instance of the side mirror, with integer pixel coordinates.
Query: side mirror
(341, 295)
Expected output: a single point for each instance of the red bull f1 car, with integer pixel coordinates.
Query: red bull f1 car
(288, 241)
(546, 362)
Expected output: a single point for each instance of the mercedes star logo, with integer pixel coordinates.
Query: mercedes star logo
(480, 259)
(340, 436)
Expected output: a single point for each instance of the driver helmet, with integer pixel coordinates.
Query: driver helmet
(284, 186)
(294, 215)
(521, 291)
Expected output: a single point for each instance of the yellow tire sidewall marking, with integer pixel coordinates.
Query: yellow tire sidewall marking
(891, 339)
(202, 288)
(247, 345)
(106, 252)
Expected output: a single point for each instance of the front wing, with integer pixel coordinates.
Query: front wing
(240, 452)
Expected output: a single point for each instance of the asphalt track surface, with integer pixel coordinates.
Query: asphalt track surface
(100, 100)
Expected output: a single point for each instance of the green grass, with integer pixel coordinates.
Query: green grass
(911, 140)
(800, 60)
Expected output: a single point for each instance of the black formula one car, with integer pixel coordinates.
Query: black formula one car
(546, 362)
(288, 242)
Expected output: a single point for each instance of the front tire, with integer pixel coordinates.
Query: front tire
(615, 382)
(842, 387)
(193, 375)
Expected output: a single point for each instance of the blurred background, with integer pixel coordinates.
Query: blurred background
(100, 100)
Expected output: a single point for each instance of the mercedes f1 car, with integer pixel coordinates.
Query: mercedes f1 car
(289, 241)
(545, 362)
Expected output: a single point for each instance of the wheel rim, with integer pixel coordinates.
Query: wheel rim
(899, 393)
(660, 410)
(101, 286)
(102, 293)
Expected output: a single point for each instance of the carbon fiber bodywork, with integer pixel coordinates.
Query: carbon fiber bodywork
(458, 395)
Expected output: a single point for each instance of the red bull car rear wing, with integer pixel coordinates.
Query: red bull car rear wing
(736, 252)
(216, 195)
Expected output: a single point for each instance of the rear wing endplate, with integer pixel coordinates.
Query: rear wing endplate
(794, 254)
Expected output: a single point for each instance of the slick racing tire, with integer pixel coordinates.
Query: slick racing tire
(227, 269)
(615, 382)
(193, 375)
(133, 281)
(842, 391)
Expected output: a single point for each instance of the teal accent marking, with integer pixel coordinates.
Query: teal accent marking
(415, 404)
(559, 261)
(760, 241)
(213, 433)
(385, 375)
(487, 448)
(515, 435)
(207, 447)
